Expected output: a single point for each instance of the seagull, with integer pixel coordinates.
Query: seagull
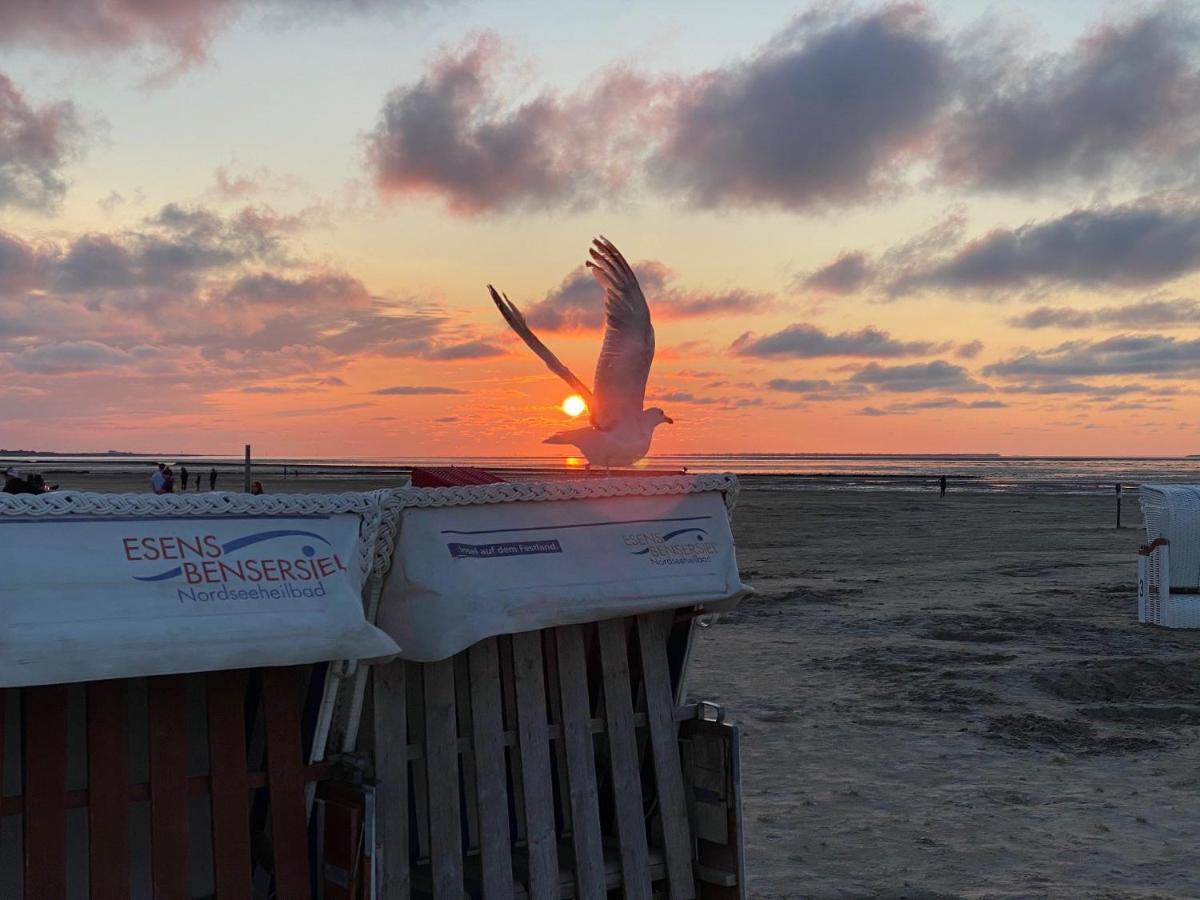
(621, 430)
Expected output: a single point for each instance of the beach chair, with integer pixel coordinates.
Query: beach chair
(528, 738)
(1169, 561)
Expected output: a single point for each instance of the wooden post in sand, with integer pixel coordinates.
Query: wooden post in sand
(246, 487)
(1118, 491)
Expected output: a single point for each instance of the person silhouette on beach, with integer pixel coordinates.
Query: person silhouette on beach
(942, 486)
(183, 478)
(157, 479)
(212, 479)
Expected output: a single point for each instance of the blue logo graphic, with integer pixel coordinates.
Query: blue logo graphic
(701, 535)
(245, 541)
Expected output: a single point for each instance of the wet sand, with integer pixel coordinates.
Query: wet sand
(938, 697)
(953, 698)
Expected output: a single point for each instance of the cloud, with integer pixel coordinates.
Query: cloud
(413, 390)
(1079, 388)
(1151, 312)
(577, 304)
(969, 350)
(1145, 354)
(905, 409)
(478, 349)
(222, 299)
(799, 385)
(844, 275)
(452, 134)
(935, 375)
(1122, 246)
(839, 107)
(180, 30)
(828, 113)
(819, 116)
(229, 184)
(804, 341)
(175, 249)
(1126, 94)
(21, 264)
(109, 203)
(35, 144)
(69, 356)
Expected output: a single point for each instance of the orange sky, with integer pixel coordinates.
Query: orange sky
(895, 228)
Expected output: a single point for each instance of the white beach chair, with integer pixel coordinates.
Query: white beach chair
(1169, 561)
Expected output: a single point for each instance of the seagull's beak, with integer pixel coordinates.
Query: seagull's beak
(670, 421)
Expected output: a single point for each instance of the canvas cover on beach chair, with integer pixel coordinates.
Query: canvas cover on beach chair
(126, 585)
(472, 563)
(1169, 561)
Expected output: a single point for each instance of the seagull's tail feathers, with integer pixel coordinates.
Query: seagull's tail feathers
(571, 437)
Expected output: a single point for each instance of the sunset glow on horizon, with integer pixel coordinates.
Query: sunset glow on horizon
(958, 227)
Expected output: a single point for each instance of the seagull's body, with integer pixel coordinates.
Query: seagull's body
(622, 446)
(621, 429)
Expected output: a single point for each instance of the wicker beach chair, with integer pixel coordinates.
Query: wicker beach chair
(1169, 561)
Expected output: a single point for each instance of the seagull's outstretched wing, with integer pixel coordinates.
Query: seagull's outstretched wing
(517, 323)
(628, 350)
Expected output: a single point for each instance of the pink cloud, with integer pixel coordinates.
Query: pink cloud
(184, 28)
(453, 134)
(578, 303)
(35, 144)
(197, 301)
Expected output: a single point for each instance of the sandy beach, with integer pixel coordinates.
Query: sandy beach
(938, 697)
(953, 698)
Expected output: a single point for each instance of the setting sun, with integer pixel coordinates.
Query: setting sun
(574, 406)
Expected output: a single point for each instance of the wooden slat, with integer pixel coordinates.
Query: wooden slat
(230, 789)
(508, 691)
(108, 789)
(462, 712)
(534, 741)
(45, 791)
(495, 844)
(3, 720)
(415, 687)
(668, 773)
(391, 766)
(626, 770)
(581, 762)
(165, 698)
(285, 780)
(550, 649)
(441, 748)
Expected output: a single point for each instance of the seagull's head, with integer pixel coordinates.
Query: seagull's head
(653, 417)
